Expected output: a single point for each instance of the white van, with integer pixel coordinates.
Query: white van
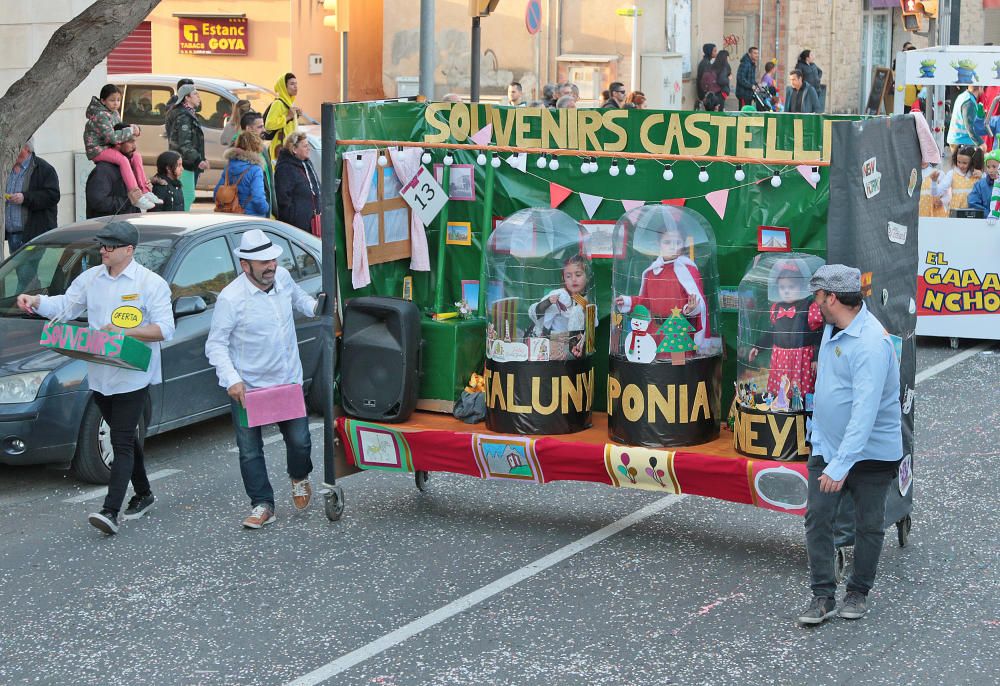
(144, 102)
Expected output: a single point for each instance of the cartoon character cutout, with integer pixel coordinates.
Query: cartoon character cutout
(640, 346)
(671, 282)
(794, 333)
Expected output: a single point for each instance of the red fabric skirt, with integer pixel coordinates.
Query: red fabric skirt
(796, 364)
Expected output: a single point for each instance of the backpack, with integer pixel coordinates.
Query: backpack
(227, 196)
(269, 135)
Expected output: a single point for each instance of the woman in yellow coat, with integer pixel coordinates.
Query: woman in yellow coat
(282, 115)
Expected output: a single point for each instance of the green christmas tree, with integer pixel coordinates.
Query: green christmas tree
(676, 339)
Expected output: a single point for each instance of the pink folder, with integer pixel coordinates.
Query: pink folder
(273, 404)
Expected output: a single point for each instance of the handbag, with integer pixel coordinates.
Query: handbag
(316, 222)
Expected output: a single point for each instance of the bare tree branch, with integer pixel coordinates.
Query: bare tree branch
(71, 54)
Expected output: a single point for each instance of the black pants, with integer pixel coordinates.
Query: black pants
(122, 411)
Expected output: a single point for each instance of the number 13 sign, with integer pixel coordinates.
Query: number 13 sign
(424, 194)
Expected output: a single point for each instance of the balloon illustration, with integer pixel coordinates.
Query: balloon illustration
(625, 459)
(650, 472)
(652, 462)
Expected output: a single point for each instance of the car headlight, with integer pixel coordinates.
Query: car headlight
(21, 388)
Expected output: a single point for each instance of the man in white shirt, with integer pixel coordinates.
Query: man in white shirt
(252, 344)
(121, 394)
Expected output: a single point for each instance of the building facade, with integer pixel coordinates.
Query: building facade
(586, 41)
(25, 30)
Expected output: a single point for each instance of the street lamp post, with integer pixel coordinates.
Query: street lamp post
(635, 13)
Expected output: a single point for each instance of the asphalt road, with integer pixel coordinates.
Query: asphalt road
(481, 582)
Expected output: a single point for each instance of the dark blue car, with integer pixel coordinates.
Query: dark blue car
(46, 415)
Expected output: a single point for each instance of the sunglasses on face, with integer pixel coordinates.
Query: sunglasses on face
(108, 247)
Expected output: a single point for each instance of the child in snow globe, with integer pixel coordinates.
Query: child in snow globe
(664, 328)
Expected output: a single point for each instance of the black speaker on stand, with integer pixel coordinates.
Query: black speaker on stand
(380, 359)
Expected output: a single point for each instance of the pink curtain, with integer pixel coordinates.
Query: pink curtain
(360, 172)
(406, 161)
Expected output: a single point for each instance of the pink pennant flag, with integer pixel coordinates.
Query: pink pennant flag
(718, 200)
(807, 173)
(483, 136)
(557, 194)
(632, 204)
(590, 203)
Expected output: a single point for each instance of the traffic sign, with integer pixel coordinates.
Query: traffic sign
(533, 16)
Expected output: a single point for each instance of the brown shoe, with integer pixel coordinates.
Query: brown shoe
(261, 516)
(302, 494)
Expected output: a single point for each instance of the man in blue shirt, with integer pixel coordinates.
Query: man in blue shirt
(856, 438)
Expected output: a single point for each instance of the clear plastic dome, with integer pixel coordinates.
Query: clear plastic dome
(780, 328)
(665, 286)
(539, 297)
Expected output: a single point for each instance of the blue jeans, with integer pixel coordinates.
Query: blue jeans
(868, 491)
(14, 241)
(253, 468)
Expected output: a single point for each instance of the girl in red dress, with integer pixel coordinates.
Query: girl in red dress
(796, 330)
(671, 282)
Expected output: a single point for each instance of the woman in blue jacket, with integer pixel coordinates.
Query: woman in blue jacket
(245, 167)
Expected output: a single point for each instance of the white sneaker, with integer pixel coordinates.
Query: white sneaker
(144, 203)
(153, 198)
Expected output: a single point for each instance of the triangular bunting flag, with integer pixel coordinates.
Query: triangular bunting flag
(807, 174)
(632, 204)
(675, 202)
(557, 194)
(718, 200)
(518, 161)
(483, 136)
(590, 203)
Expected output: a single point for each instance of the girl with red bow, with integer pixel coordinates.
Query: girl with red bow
(796, 330)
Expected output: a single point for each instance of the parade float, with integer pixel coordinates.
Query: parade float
(958, 284)
(452, 207)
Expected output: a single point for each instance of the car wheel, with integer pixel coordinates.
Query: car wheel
(93, 458)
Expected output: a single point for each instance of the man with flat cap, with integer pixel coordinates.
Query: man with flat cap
(120, 394)
(857, 440)
(252, 344)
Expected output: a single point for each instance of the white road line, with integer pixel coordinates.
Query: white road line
(278, 437)
(952, 361)
(462, 604)
(101, 492)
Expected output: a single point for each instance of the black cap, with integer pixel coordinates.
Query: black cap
(118, 233)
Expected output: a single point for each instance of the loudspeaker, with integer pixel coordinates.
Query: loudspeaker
(380, 359)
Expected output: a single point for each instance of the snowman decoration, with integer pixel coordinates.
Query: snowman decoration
(640, 346)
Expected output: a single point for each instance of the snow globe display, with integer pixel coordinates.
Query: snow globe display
(665, 366)
(541, 325)
(780, 328)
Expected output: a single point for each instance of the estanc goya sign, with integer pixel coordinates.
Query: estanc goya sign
(213, 35)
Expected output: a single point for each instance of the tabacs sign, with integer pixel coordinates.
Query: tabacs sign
(213, 35)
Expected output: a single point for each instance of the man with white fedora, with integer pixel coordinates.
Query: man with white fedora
(252, 344)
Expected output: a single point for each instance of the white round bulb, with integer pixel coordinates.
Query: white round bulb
(481, 159)
(540, 162)
(815, 175)
(614, 171)
(426, 158)
(585, 167)
(775, 180)
(382, 161)
(448, 160)
(630, 169)
(703, 176)
(495, 162)
(554, 164)
(739, 174)
(668, 174)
